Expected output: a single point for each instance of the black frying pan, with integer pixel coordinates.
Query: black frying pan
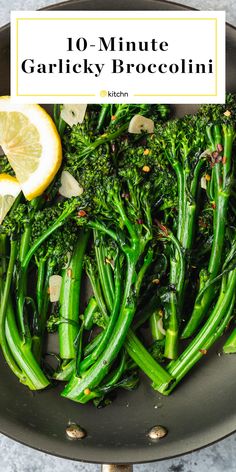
(201, 411)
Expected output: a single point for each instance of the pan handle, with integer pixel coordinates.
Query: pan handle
(116, 468)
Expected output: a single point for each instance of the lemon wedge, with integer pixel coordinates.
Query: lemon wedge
(9, 190)
(29, 138)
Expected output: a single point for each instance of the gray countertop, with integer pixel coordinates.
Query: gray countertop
(15, 457)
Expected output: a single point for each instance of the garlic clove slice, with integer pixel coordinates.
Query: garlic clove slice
(139, 124)
(73, 114)
(55, 282)
(70, 187)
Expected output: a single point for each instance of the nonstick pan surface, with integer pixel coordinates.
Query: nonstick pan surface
(202, 410)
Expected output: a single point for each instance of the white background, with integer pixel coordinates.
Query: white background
(181, 35)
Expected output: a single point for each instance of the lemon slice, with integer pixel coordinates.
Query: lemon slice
(9, 190)
(30, 140)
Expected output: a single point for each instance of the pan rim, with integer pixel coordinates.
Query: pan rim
(174, 456)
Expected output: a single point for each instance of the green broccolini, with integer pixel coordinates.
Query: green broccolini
(151, 239)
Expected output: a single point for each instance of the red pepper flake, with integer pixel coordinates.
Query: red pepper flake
(69, 273)
(81, 213)
(46, 197)
(162, 227)
(224, 159)
(113, 118)
(87, 391)
(219, 147)
(140, 221)
(203, 351)
(213, 205)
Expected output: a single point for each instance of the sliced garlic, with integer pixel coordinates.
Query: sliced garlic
(139, 123)
(54, 287)
(69, 186)
(73, 114)
(160, 327)
(203, 183)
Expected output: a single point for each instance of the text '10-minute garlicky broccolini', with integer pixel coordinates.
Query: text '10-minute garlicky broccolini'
(142, 206)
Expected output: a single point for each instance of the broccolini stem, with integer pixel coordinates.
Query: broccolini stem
(5, 290)
(172, 331)
(115, 376)
(107, 286)
(22, 281)
(90, 310)
(66, 371)
(126, 221)
(70, 299)
(104, 138)
(147, 364)
(180, 263)
(172, 309)
(184, 241)
(177, 273)
(207, 335)
(60, 124)
(230, 345)
(40, 284)
(196, 174)
(221, 195)
(142, 271)
(109, 273)
(180, 182)
(91, 346)
(16, 351)
(154, 321)
(134, 347)
(95, 283)
(101, 227)
(37, 340)
(102, 115)
(25, 241)
(229, 134)
(89, 360)
(43, 313)
(203, 351)
(32, 375)
(76, 389)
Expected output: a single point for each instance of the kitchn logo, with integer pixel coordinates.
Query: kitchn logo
(113, 93)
